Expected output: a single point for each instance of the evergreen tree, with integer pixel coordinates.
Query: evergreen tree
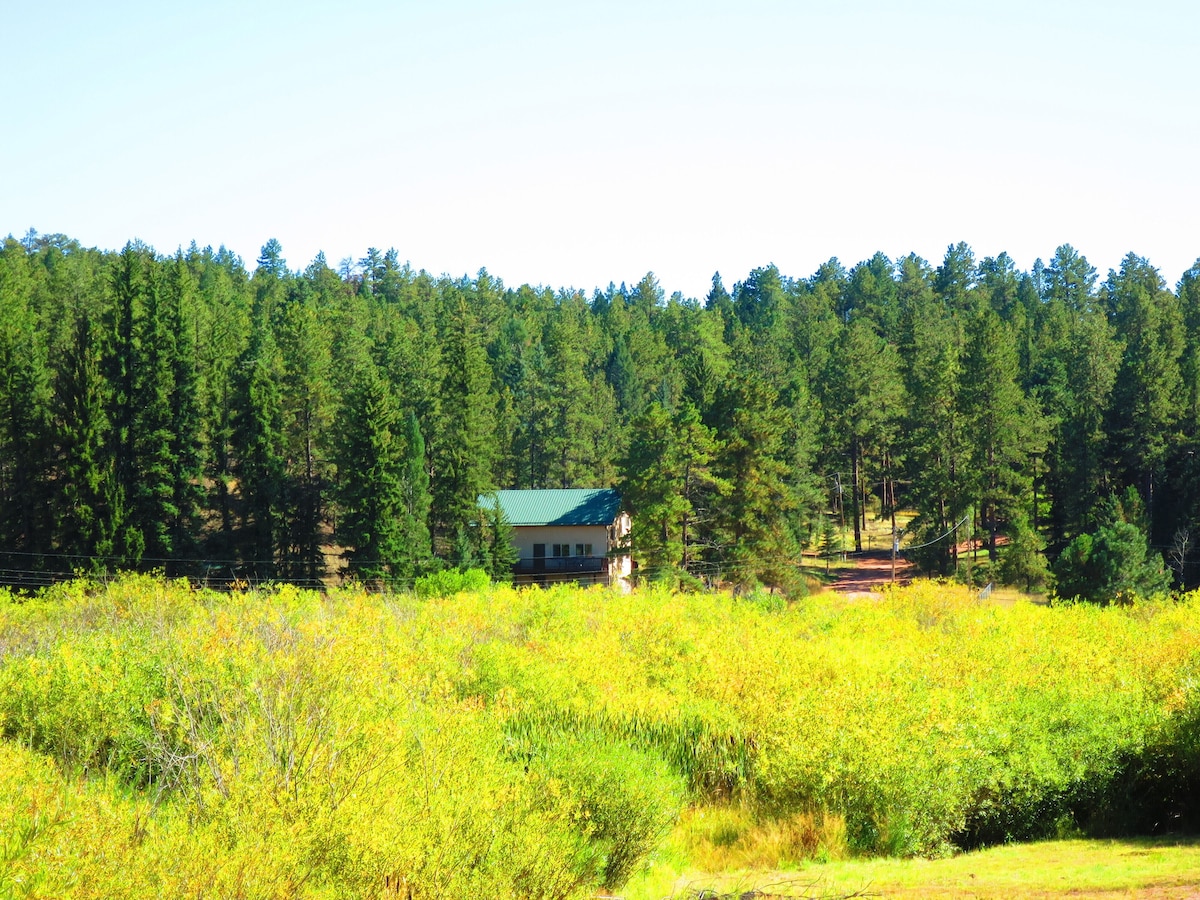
(1023, 562)
(579, 443)
(136, 410)
(956, 278)
(416, 548)
(258, 446)
(305, 343)
(89, 505)
(493, 540)
(936, 453)
(871, 294)
(25, 523)
(1111, 565)
(1000, 283)
(652, 491)
(185, 450)
(756, 524)
(1070, 280)
(701, 487)
(670, 488)
(863, 397)
(1146, 405)
(371, 482)
(619, 372)
(152, 491)
(1075, 364)
(223, 326)
(1003, 430)
(464, 449)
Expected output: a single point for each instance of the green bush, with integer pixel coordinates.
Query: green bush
(1112, 565)
(623, 799)
(449, 582)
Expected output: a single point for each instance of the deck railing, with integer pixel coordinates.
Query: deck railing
(563, 564)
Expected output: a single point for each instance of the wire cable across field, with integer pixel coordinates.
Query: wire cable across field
(953, 528)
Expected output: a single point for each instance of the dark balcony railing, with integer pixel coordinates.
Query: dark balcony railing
(563, 564)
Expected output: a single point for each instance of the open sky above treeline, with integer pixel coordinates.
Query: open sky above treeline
(582, 143)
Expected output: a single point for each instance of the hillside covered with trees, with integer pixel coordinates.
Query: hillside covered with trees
(179, 412)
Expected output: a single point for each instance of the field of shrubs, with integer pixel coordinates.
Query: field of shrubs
(163, 741)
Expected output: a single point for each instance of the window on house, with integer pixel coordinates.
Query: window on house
(560, 550)
(583, 549)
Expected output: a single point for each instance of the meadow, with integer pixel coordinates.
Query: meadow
(164, 741)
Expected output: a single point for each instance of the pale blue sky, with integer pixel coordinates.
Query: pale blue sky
(581, 143)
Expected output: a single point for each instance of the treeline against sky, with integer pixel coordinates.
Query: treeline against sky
(177, 412)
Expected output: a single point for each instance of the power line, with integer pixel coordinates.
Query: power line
(953, 528)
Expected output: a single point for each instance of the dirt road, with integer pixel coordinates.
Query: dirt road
(872, 569)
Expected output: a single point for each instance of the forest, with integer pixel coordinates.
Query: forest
(182, 413)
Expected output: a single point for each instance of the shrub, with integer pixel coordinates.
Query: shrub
(449, 582)
(510, 743)
(1111, 565)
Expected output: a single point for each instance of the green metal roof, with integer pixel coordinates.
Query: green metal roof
(591, 506)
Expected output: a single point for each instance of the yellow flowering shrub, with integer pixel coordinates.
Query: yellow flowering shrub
(165, 741)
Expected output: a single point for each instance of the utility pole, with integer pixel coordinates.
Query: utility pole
(895, 534)
(841, 513)
(895, 546)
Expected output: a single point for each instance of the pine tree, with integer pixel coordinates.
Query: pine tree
(871, 294)
(416, 547)
(463, 450)
(1023, 561)
(1114, 563)
(955, 278)
(305, 342)
(258, 449)
(183, 402)
(1002, 428)
(1072, 370)
(371, 482)
(863, 397)
(223, 326)
(756, 524)
(1146, 405)
(652, 491)
(493, 540)
(89, 505)
(25, 522)
(936, 454)
(1071, 281)
(136, 406)
(579, 442)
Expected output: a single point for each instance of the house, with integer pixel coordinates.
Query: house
(568, 535)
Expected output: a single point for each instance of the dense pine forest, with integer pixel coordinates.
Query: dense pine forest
(182, 413)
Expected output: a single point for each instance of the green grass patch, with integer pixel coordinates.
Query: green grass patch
(1077, 869)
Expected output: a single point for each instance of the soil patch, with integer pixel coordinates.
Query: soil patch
(872, 570)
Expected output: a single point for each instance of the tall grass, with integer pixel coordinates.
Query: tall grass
(540, 743)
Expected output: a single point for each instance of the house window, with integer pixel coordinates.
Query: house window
(583, 549)
(560, 550)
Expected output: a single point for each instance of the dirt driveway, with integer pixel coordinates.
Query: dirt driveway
(872, 569)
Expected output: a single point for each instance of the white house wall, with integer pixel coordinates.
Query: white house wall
(528, 535)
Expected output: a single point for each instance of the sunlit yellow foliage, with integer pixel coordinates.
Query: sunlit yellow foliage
(164, 741)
